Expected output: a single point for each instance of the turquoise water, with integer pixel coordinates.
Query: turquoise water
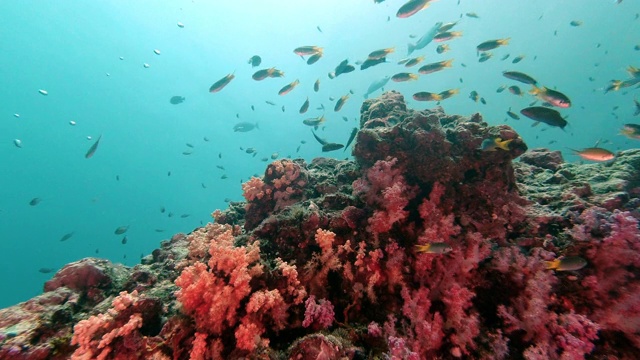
(72, 49)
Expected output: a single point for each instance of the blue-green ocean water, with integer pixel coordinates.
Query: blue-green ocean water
(72, 50)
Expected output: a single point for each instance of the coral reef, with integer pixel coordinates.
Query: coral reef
(423, 247)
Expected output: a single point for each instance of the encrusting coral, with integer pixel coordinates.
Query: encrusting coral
(425, 246)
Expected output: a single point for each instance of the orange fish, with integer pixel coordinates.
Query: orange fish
(340, 102)
(220, 84)
(399, 77)
(436, 66)
(307, 50)
(595, 154)
(379, 54)
(427, 96)
(433, 248)
(411, 7)
(287, 88)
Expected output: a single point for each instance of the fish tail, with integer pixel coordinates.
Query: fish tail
(535, 90)
(551, 265)
(423, 248)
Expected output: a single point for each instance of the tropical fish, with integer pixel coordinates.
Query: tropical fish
(485, 56)
(265, 73)
(316, 85)
(631, 131)
(616, 85)
(244, 127)
(425, 39)
(518, 76)
(369, 63)
(175, 100)
(411, 7)
(35, 201)
(342, 68)
(304, 107)
(124, 240)
(413, 61)
(287, 88)
(448, 93)
(46, 270)
(121, 229)
(553, 97)
(575, 23)
(473, 95)
(340, 102)
(433, 248)
(501, 88)
(426, 96)
(517, 59)
(492, 44)
(93, 148)
(255, 60)
(637, 104)
(442, 48)
(515, 90)
(472, 15)
(376, 85)
(513, 115)
(446, 36)
(314, 121)
(17, 143)
(326, 146)
(379, 54)
(314, 58)
(67, 236)
(448, 26)
(403, 76)
(595, 154)
(436, 66)
(543, 114)
(492, 144)
(307, 50)
(220, 84)
(354, 132)
(331, 147)
(569, 263)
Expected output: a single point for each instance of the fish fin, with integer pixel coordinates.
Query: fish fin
(423, 248)
(552, 265)
(410, 48)
(504, 145)
(321, 141)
